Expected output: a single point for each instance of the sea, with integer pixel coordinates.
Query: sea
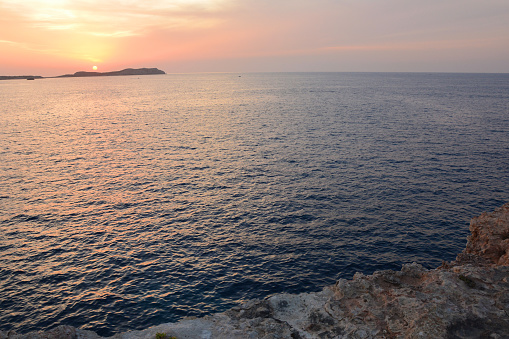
(127, 202)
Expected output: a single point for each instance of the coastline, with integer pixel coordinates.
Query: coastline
(82, 74)
(20, 77)
(465, 298)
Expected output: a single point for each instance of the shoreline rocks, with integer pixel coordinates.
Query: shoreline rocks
(466, 298)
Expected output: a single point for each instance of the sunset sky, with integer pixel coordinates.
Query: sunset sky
(52, 37)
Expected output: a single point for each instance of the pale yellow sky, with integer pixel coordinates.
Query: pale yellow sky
(51, 37)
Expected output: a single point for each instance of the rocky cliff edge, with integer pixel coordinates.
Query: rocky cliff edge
(466, 298)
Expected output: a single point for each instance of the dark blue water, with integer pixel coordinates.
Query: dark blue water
(127, 202)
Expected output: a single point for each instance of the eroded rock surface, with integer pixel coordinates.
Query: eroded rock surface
(489, 237)
(467, 298)
(59, 332)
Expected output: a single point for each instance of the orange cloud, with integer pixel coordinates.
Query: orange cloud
(93, 30)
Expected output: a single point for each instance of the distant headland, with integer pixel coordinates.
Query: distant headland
(127, 71)
(20, 77)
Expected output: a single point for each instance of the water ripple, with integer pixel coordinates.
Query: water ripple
(131, 202)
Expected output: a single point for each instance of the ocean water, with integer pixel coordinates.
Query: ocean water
(126, 202)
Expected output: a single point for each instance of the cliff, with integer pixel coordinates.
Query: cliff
(127, 71)
(466, 298)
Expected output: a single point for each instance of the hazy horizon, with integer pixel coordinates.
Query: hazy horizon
(49, 38)
(233, 72)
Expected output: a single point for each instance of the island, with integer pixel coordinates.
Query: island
(127, 71)
(464, 298)
(81, 74)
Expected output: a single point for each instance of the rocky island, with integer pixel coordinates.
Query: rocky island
(127, 71)
(465, 298)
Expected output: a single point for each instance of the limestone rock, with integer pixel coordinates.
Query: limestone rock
(60, 332)
(489, 237)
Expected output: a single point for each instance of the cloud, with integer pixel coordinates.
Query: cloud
(418, 45)
(207, 31)
(25, 46)
(116, 18)
(9, 42)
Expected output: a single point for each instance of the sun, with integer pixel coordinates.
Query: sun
(94, 68)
